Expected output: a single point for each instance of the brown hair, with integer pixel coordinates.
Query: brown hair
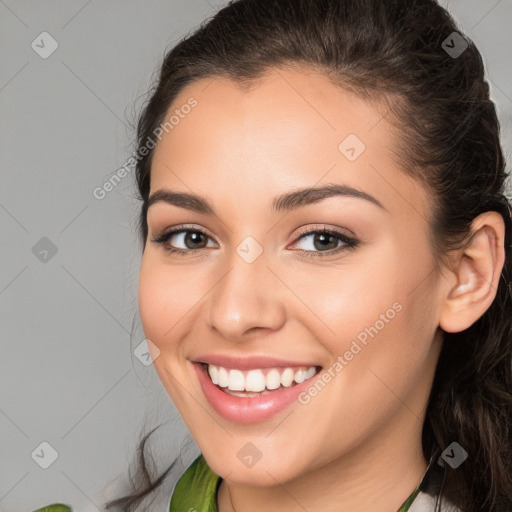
(449, 140)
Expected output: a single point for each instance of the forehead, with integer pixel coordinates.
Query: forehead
(285, 102)
(290, 129)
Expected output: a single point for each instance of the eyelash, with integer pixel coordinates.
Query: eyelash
(350, 242)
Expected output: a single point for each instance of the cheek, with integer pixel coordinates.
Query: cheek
(160, 303)
(161, 308)
(169, 298)
(374, 315)
(347, 300)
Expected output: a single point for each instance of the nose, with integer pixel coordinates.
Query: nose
(248, 298)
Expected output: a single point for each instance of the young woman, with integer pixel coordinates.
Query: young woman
(326, 272)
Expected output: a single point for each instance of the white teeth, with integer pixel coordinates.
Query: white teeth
(287, 377)
(300, 376)
(256, 380)
(236, 380)
(223, 378)
(273, 379)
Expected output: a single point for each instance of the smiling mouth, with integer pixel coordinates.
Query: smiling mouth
(260, 381)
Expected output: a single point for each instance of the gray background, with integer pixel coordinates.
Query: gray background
(68, 376)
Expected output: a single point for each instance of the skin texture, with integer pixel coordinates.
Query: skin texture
(356, 446)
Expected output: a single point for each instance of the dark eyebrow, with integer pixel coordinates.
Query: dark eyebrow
(284, 202)
(306, 196)
(182, 199)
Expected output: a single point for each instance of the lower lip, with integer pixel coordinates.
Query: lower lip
(247, 409)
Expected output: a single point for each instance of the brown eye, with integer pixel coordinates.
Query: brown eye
(194, 238)
(325, 242)
(190, 240)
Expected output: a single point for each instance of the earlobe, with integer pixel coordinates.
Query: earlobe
(477, 274)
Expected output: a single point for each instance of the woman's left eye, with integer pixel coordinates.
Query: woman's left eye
(323, 242)
(321, 239)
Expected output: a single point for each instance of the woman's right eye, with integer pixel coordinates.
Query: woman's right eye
(189, 238)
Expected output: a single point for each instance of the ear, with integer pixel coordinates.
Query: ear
(476, 273)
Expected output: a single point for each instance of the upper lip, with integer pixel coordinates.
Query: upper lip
(249, 363)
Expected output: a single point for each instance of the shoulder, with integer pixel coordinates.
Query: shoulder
(55, 507)
(197, 488)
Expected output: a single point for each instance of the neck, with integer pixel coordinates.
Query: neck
(352, 483)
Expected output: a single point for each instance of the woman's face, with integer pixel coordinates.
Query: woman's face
(267, 282)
